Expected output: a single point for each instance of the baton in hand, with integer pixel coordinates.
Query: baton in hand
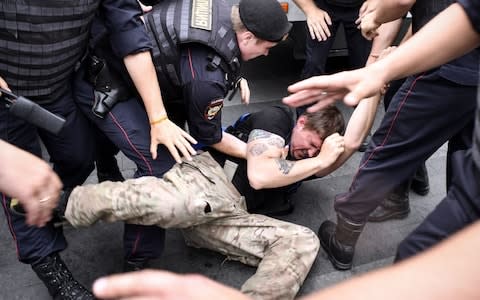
(32, 112)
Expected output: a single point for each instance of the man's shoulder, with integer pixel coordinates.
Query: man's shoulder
(276, 112)
(277, 119)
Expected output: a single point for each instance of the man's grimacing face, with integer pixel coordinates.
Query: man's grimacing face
(304, 143)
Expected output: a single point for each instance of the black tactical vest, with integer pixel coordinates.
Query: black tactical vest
(424, 10)
(40, 43)
(175, 22)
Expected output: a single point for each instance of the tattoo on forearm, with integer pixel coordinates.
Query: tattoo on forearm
(284, 165)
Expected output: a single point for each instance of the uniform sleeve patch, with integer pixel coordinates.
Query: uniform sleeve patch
(213, 108)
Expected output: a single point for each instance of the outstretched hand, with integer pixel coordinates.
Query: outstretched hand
(174, 138)
(351, 86)
(151, 284)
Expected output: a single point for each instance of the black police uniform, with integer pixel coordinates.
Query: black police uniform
(72, 152)
(38, 52)
(127, 124)
(197, 100)
(341, 12)
(428, 110)
(279, 120)
(461, 206)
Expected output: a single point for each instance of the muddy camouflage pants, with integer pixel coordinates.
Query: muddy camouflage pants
(197, 197)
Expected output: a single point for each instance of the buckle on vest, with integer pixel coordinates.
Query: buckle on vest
(214, 63)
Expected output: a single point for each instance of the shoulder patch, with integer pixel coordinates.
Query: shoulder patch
(213, 108)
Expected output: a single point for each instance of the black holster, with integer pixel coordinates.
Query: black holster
(108, 88)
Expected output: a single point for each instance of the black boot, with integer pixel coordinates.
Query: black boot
(420, 183)
(59, 281)
(135, 264)
(396, 205)
(339, 240)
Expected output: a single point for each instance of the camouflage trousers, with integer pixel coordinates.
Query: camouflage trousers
(197, 197)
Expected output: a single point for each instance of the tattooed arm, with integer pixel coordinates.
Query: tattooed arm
(268, 168)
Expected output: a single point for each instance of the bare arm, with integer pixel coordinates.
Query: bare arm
(385, 38)
(232, 146)
(268, 168)
(450, 270)
(358, 127)
(424, 56)
(385, 11)
(163, 131)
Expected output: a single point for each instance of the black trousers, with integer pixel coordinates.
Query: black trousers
(317, 52)
(72, 155)
(457, 210)
(426, 112)
(128, 128)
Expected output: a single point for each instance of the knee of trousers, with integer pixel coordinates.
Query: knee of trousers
(405, 250)
(301, 242)
(77, 160)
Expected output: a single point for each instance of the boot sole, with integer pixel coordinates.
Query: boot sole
(336, 264)
(391, 216)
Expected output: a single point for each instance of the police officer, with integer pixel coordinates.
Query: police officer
(39, 49)
(424, 114)
(197, 65)
(323, 20)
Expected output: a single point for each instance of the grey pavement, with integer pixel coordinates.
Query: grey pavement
(97, 251)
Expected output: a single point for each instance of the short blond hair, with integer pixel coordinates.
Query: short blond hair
(236, 20)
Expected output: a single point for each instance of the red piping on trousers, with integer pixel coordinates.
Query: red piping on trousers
(130, 143)
(389, 131)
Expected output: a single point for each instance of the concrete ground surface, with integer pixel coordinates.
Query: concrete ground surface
(97, 251)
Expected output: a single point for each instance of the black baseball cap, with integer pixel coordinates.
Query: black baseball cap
(265, 19)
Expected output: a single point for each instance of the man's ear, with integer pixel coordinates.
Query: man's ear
(246, 36)
(301, 122)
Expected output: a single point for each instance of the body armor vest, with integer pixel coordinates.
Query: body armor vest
(40, 44)
(423, 11)
(175, 22)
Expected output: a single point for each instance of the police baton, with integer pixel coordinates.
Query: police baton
(32, 112)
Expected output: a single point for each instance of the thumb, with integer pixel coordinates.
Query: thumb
(153, 149)
(358, 93)
(351, 99)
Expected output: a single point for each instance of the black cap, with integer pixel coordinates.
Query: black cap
(265, 19)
